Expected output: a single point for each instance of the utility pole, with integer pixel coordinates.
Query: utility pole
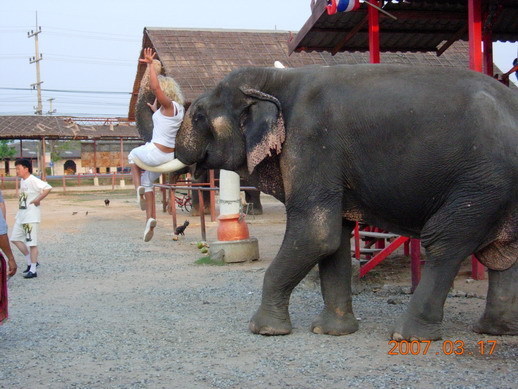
(51, 111)
(36, 59)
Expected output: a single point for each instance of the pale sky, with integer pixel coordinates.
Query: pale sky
(94, 45)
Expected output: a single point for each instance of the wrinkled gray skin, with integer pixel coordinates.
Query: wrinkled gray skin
(427, 153)
(144, 123)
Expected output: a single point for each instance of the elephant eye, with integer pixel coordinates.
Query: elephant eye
(198, 117)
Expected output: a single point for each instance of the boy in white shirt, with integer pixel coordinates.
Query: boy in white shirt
(28, 217)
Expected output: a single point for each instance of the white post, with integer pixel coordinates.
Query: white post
(229, 198)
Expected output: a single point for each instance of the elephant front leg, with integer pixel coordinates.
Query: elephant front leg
(308, 239)
(337, 317)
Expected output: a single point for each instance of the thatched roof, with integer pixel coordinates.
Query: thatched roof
(58, 127)
(199, 59)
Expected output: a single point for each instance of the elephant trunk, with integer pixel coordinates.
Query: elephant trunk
(190, 144)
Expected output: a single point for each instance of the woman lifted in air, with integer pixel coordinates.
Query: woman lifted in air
(168, 115)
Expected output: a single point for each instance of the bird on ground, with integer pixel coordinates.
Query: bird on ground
(74, 213)
(86, 213)
(180, 230)
(106, 202)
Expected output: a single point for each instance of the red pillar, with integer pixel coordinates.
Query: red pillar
(374, 32)
(475, 34)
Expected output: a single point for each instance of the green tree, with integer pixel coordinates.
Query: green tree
(6, 150)
(58, 147)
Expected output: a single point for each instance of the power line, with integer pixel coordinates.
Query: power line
(68, 91)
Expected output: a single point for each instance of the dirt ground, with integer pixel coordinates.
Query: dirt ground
(108, 310)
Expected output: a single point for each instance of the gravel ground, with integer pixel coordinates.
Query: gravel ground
(110, 311)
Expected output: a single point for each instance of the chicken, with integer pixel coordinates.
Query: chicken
(106, 202)
(180, 230)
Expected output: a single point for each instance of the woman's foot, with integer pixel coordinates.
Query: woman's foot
(140, 198)
(148, 232)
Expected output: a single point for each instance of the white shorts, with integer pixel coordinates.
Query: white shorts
(26, 233)
(152, 156)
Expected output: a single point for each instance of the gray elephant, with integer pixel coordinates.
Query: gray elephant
(423, 152)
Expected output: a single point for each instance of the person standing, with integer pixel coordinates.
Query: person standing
(27, 223)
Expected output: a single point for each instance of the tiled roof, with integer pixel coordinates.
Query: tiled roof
(420, 26)
(37, 127)
(199, 59)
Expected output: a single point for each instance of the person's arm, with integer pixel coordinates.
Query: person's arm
(164, 101)
(38, 199)
(2, 208)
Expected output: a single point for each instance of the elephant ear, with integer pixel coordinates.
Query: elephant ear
(263, 127)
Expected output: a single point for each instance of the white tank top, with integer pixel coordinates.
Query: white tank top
(166, 127)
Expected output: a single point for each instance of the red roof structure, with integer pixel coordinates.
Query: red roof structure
(420, 26)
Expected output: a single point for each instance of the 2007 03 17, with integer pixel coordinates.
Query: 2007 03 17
(447, 347)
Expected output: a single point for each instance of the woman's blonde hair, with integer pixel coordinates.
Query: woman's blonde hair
(167, 84)
(171, 89)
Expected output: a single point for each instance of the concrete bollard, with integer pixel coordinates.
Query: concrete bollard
(96, 181)
(233, 235)
(122, 183)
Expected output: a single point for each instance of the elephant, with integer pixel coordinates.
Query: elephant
(429, 153)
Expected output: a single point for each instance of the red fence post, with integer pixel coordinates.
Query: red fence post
(478, 271)
(357, 241)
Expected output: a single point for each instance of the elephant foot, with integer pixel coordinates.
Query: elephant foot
(330, 323)
(266, 323)
(412, 328)
(254, 211)
(496, 326)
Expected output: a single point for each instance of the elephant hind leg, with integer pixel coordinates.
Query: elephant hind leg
(450, 235)
(501, 257)
(337, 317)
(501, 314)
